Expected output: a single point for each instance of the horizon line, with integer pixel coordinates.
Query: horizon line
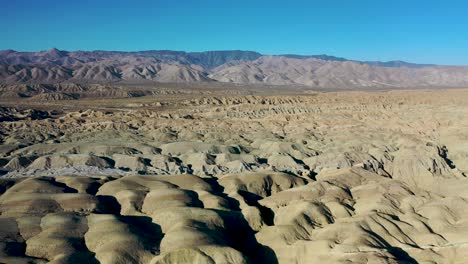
(242, 50)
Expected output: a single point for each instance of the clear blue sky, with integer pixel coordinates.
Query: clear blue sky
(424, 31)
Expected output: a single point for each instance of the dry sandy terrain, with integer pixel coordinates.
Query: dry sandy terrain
(217, 176)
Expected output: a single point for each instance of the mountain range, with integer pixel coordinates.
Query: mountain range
(244, 67)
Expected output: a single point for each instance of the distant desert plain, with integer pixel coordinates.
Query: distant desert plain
(231, 158)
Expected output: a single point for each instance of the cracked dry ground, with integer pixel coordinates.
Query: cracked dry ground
(348, 177)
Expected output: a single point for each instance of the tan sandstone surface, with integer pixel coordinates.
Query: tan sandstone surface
(217, 177)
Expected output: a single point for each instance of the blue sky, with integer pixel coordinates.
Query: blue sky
(413, 30)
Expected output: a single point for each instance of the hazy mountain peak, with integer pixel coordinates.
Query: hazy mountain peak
(53, 53)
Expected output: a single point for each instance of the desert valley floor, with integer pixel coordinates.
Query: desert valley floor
(235, 176)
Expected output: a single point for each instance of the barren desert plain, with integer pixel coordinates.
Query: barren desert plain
(233, 174)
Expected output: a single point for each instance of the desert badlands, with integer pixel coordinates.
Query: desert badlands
(232, 174)
(233, 132)
(231, 157)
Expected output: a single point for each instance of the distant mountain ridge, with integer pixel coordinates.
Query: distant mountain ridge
(207, 59)
(236, 66)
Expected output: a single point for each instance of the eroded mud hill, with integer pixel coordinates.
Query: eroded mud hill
(349, 177)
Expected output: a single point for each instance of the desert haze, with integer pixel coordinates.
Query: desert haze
(231, 157)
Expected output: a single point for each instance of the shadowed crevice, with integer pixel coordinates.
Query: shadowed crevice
(252, 200)
(149, 233)
(218, 190)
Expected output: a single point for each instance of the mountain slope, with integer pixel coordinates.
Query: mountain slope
(208, 59)
(245, 67)
(338, 74)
